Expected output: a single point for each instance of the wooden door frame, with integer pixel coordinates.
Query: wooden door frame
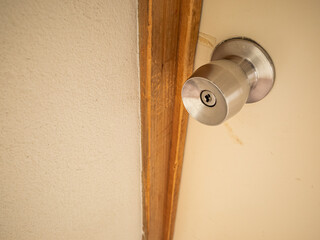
(168, 33)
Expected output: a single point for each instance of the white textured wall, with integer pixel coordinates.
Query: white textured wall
(69, 120)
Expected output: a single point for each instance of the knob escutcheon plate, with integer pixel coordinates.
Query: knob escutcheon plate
(263, 74)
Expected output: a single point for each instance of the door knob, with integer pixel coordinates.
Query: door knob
(240, 72)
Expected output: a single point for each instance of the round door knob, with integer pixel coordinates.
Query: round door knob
(240, 72)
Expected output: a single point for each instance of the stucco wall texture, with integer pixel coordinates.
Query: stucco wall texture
(69, 120)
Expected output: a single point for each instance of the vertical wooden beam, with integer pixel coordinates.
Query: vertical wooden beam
(190, 12)
(168, 31)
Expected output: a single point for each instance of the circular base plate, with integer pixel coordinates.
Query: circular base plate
(252, 52)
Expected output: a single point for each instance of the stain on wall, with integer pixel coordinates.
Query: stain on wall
(232, 134)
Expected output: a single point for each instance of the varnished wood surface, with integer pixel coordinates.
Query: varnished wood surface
(168, 32)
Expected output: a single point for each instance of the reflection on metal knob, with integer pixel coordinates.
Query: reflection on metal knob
(240, 72)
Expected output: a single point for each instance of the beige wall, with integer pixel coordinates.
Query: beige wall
(69, 120)
(258, 175)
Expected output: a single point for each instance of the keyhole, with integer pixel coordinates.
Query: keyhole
(208, 98)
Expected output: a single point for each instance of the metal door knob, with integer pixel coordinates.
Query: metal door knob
(240, 72)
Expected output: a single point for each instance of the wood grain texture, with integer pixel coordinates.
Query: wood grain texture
(168, 32)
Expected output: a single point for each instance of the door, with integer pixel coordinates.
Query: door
(257, 176)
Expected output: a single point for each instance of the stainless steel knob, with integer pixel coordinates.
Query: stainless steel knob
(240, 72)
